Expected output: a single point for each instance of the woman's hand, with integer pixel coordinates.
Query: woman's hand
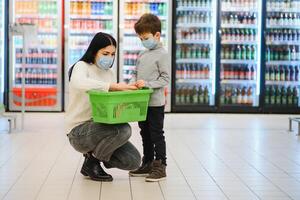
(140, 84)
(121, 87)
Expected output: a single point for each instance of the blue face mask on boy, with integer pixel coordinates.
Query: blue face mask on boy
(105, 62)
(150, 43)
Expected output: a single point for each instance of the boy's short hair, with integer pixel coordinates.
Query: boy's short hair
(148, 23)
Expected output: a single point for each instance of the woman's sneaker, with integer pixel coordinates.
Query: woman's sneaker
(158, 172)
(143, 171)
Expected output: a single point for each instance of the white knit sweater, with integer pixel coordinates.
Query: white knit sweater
(84, 77)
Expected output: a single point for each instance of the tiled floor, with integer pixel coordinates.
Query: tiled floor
(210, 157)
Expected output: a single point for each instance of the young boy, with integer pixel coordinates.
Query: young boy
(153, 71)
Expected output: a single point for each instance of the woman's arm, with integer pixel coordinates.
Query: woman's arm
(81, 81)
(121, 87)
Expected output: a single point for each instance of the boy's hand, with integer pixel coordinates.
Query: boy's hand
(140, 84)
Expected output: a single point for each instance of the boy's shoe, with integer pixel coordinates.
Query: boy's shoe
(158, 172)
(143, 171)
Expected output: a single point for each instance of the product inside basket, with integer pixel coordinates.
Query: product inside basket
(119, 107)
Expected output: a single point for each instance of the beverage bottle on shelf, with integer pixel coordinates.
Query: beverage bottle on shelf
(178, 94)
(242, 73)
(206, 95)
(268, 54)
(295, 96)
(282, 74)
(278, 95)
(267, 95)
(239, 96)
(244, 52)
(283, 96)
(195, 95)
(222, 96)
(236, 71)
(289, 96)
(296, 73)
(250, 96)
(186, 95)
(198, 71)
(249, 72)
(277, 73)
(292, 73)
(287, 73)
(244, 95)
(178, 70)
(267, 73)
(206, 72)
(201, 95)
(231, 73)
(234, 96)
(229, 95)
(222, 75)
(272, 95)
(238, 52)
(232, 53)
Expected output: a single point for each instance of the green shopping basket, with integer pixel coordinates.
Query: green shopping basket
(119, 107)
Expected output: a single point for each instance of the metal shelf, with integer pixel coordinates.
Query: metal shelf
(240, 9)
(202, 9)
(283, 43)
(285, 83)
(284, 10)
(37, 16)
(240, 42)
(91, 17)
(194, 60)
(239, 26)
(37, 66)
(283, 26)
(283, 62)
(136, 17)
(35, 86)
(202, 81)
(238, 61)
(194, 41)
(196, 25)
(146, 1)
(88, 32)
(239, 82)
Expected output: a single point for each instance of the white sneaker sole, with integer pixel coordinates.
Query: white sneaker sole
(155, 179)
(138, 175)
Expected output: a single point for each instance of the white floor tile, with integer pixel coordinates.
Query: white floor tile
(210, 157)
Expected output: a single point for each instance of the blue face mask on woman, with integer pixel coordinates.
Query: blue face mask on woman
(150, 43)
(105, 62)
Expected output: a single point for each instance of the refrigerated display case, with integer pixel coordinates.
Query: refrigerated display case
(2, 50)
(282, 56)
(42, 69)
(83, 19)
(194, 55)
(130, 44)
(240, 55)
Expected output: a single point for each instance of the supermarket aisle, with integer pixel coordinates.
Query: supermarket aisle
(236, 157)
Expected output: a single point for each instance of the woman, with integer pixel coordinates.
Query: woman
(98, 142)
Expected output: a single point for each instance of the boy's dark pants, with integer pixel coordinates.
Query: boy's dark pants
(153, 135)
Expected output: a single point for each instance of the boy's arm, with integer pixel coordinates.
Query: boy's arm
(164, 74)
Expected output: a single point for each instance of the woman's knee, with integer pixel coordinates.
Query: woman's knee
(135, 158)
(127, 157)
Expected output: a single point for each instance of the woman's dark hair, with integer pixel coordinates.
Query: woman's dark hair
(100, 41)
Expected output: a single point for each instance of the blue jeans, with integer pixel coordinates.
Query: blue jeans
(108, 143)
